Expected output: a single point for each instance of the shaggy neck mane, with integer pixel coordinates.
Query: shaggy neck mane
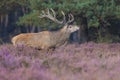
(60, 35)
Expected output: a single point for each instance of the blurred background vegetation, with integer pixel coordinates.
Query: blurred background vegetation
(99, 20)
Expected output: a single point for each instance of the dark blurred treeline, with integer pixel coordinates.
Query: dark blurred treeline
(99, 20)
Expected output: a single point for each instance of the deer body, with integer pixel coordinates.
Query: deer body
(45, 39)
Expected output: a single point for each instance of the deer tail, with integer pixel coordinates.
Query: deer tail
(14, 40)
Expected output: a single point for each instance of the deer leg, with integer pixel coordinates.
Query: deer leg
(65, 44)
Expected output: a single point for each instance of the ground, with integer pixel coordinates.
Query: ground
(88, 61)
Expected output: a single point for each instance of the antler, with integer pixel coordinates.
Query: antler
(53, 16)
(70, 19)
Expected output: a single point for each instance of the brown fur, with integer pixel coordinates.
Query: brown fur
(43, 40)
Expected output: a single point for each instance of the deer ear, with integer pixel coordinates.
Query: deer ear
(67, 26)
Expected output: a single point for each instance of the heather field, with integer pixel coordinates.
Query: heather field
(88, 61)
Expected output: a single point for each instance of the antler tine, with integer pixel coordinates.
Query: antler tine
(42, 15)
(71, 18)
(64, 19)
(54, 14)
(48, 11)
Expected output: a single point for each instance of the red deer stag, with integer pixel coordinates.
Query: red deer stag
(48, 39)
